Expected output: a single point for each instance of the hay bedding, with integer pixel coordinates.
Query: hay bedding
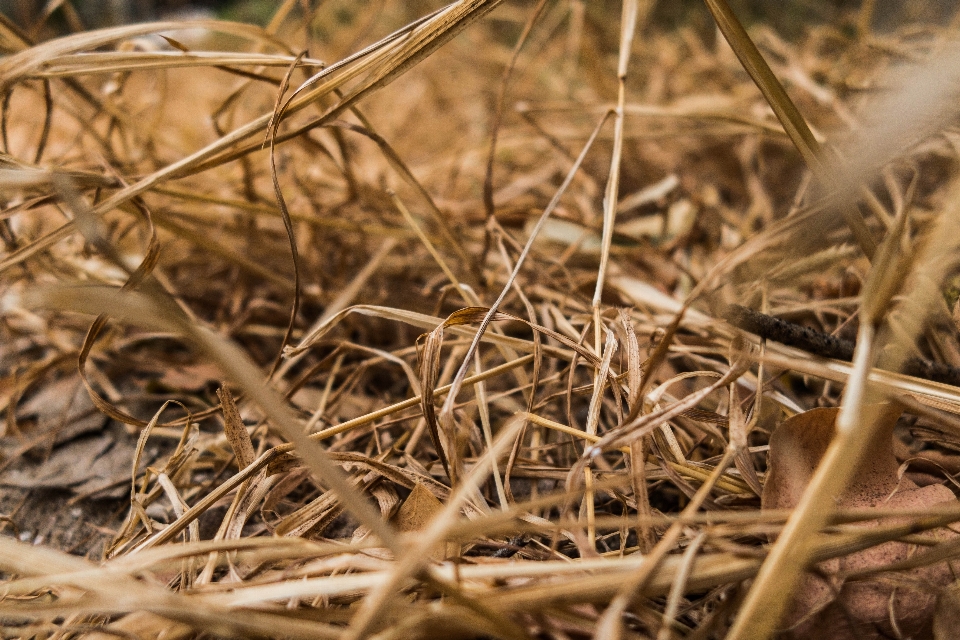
(319, 443)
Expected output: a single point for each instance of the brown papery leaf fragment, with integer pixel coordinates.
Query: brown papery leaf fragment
(235, 430)
(946, 616)
(414, 516)
(417, 510)
(825, 606)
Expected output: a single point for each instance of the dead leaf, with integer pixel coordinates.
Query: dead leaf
(946, 616)
(93, 465)
(235, 430)
(417, 510)
(63, 407)
(66, 467)
(189, 377)
(825, 606)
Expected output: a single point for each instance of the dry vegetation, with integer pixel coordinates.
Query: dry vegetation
(435, 341)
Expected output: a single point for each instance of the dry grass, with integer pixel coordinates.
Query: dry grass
(429, 340)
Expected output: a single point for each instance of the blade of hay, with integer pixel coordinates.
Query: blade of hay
(117, 62)
(679, 587)
(29, 61)
(284, 213)
(628, 24)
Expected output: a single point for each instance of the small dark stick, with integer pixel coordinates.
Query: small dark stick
(936, 371)
(825, 345)
(790, 334)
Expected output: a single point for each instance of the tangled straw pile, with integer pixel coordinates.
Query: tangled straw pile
(430, 341)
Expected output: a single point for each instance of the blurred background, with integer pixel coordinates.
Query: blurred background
(789, 17)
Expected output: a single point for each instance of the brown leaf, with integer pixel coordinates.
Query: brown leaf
(825, 606)
(66, 467)
(417, 510)
(63, 408)
(235, 430)
(91, 465)
(946, 617)
(189, 377)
